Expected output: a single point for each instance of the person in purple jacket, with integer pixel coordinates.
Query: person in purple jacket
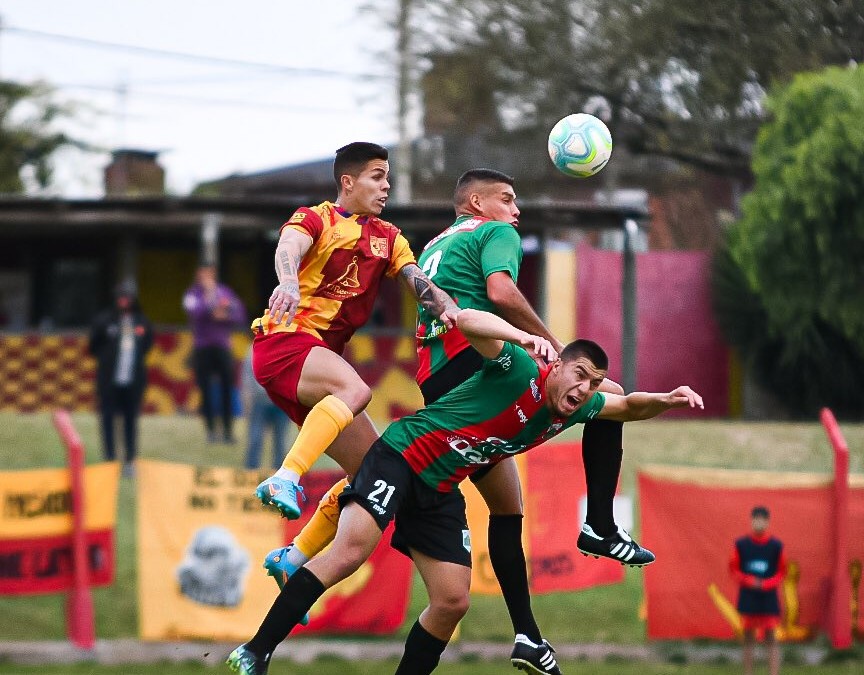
(214, 312)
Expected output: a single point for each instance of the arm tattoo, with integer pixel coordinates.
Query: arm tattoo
(428, 295)
(287, 269)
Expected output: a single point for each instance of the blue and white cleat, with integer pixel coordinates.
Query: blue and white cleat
(277, 566)
(242, 661)
(282, 494)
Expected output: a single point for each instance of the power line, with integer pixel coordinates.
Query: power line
(180, 98)
(185, 56)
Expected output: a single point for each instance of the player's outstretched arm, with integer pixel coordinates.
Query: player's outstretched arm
(290, 250)
(642, 405)
(428, 295)
(487, 333)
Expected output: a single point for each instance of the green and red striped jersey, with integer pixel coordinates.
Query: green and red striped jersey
(458, 260)
(499, 411)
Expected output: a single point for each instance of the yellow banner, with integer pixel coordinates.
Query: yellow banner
(38, 502)
(202, 536)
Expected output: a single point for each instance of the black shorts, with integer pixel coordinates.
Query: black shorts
(427, 520)
(458, 369)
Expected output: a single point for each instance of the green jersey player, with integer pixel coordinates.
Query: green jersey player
(411, 475)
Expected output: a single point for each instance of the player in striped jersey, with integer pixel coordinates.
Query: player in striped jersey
(412, 473)
(330, 260)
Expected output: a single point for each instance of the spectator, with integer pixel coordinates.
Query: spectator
(758, 564)
(120, 338)
(214, 312)
(262, 412)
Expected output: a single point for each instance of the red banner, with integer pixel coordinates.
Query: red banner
(691, 519)
(553, 489)
(44, 565)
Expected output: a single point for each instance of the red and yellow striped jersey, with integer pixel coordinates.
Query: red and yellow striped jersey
(340, 274)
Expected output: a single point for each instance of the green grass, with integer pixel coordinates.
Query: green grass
(340, 667)
(30, 441)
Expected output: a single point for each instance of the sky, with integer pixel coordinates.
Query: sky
(282, 82)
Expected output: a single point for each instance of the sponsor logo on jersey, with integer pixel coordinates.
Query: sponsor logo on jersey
(504, 361)
(298, 217)
(535, 390)
(522, 416)
(379, 247)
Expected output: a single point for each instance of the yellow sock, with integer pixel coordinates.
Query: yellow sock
(321, 528)
(327, 419)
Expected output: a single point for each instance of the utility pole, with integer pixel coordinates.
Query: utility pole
(404, 161)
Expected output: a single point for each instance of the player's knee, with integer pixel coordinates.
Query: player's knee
(355, 395)
(451, 607)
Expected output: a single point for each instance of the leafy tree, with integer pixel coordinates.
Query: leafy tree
(678, 78)
(789, 283)
(28, 138)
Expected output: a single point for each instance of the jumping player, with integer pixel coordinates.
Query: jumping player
(412, 474)
(330, 260)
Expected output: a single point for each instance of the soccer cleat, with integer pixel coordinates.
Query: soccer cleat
(619, 546)
(242, 661)
(282, 494)
(277, 566)
(533, 658)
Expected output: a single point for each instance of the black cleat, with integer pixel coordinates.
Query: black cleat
(619, 546)
(534, 658)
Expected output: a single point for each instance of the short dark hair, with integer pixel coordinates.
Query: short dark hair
(460, 194)
(590, 350)
(760, 511)
(352, 158)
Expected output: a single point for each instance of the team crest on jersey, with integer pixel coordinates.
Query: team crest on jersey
(466, 540)
(379, 247)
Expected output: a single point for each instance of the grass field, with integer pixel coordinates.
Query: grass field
(606, 614)
(339, 667)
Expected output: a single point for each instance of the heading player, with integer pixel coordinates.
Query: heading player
(413, 472)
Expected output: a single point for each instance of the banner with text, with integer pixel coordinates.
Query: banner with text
(36, 528)
(553, 489)
(202, 536)
(691, 519)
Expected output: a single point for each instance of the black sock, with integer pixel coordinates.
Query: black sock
(508, 561)
(602, 452)
(295, 599)
(422, 652)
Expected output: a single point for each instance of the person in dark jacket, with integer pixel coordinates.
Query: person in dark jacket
(120, 338)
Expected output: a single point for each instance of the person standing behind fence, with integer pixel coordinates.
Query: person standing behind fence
(261, 413)
(214, 311)
(758, 564)
(120, 338)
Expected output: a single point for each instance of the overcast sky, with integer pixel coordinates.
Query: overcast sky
(208, 117)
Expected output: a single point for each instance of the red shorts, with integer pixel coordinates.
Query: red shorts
(760, 622)
(277, 361)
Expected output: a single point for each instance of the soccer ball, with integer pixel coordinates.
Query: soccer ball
(580, 145)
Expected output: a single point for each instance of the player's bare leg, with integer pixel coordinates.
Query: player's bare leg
(357, 538)
(773, 649)
(747, 651)
(349, 449)
(447, 585)
(336, 394)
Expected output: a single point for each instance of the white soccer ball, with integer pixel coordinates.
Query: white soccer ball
(580, 145)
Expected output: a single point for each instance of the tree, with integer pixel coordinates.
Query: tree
(677, 78)
(788, 283)
(28, 139)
